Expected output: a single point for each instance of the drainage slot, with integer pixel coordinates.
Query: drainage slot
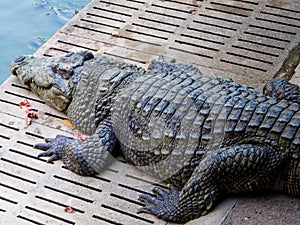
(9, 127)
(69, 194)
(208, 32)
(127, 199)
(214, 25)
(248, 2)
(146, 34)
(279, 15)
(256, 51)
(106, 17)
(13, 188)
(202, 39)
(152, 28)
(231, 6)
(247, 57)
(277, 22)
(22, 143)
(59, 50)
(56, 116)
(122, 57)
(132, 189)
(165, 15)
(126, 213)
(8, 102)
(146, 181)
(102, 24)
(4, 137)
(22, 165)
(106, 220)
(57, 203)
(120, 5)
(17, 177)
(221, 18)
(113, 170)
(101, 178)
(8, 200)
(224, 11)
(96, 176)
(266, 36)
(21, 87)
(288, 10)
(90, 29)
(158, 21)
(49, 214)
(242, 65)
(173, 9)
(75, 45)
(194, 3)
(192, 53)
(77, 183)
(22, 96)
(261, 44)
(112, 12)
(29, 220)
(34, 135)
(271, 29)
(28, 155)
(146, 42)
(139, 2)
(198, 46)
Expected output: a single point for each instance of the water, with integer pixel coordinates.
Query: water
(27, 24)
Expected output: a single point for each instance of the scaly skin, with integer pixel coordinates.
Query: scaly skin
(206, 136)
(281, 89)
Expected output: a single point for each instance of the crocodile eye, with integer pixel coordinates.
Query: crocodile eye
(65, 68)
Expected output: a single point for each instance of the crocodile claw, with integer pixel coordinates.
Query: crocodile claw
(53, 147)
(162, 204)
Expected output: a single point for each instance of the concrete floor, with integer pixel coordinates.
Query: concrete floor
(246, 40)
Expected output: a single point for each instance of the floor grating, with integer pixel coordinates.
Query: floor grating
(247, 40)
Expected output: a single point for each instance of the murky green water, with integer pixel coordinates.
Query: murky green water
(26, 24)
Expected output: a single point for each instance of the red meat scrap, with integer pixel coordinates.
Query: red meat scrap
(27, 109)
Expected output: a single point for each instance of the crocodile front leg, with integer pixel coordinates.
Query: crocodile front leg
(232, 169)
(84, 158)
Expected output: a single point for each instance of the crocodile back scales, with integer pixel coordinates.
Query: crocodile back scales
(167, 122)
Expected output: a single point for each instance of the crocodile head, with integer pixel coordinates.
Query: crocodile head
(52, 78)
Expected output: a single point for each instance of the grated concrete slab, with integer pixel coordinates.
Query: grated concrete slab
(246, 40)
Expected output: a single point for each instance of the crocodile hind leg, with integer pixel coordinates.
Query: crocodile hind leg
(281, 89)
(84, 158)
(232, 169)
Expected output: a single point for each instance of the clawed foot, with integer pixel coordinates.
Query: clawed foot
(53, 147)
(162, 204)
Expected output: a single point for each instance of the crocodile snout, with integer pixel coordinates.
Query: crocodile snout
(19, 62)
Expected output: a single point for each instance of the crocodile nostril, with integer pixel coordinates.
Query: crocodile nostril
(19, 59)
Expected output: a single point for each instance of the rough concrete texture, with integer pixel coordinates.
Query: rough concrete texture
(267, 209)
(296, 77)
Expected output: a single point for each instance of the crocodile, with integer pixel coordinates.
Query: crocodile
(207, 136)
